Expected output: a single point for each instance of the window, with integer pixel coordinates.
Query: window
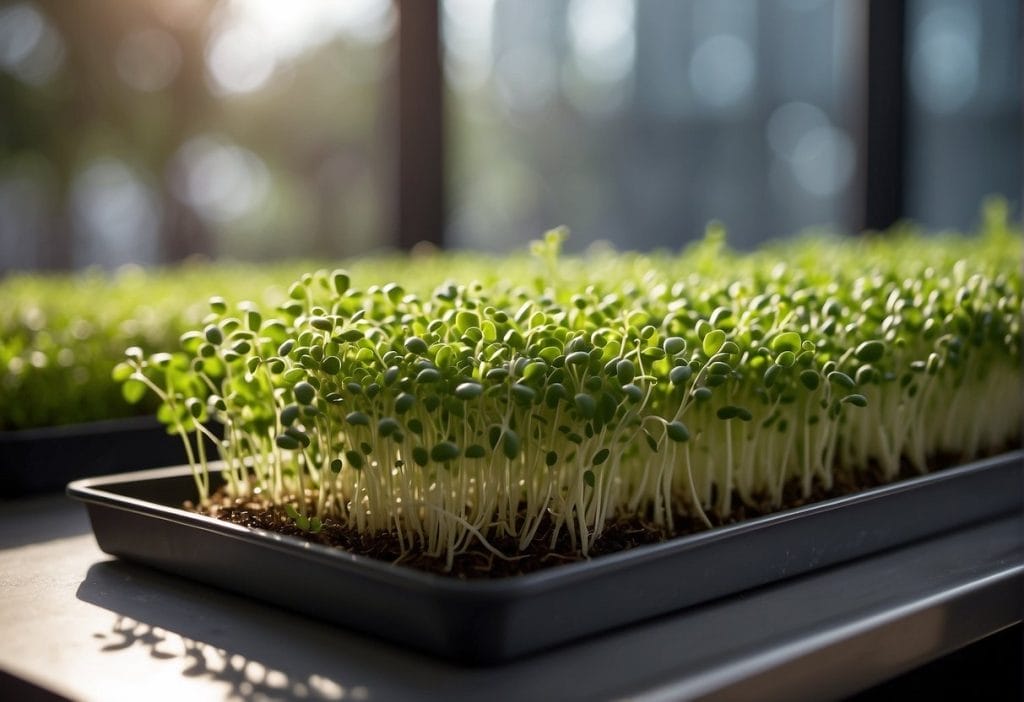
(964, 108)
(637, 122)
(154, 130)
(149, 131)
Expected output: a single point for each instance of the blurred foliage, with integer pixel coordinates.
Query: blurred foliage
(60, 336)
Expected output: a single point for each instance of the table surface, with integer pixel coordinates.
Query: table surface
(78, 623)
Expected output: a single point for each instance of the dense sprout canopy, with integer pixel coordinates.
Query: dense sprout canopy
(463, 396)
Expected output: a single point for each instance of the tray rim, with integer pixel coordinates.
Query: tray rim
(55, 432)
(92, 491)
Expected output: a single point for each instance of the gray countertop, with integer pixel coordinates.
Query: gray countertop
(83, 625)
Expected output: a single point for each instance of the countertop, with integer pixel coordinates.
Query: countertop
(79, 624)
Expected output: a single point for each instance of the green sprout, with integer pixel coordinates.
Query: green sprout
(479, 398)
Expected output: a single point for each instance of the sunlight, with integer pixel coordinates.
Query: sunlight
(253, 39)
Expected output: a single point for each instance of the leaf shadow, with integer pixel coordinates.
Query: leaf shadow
(259, 652)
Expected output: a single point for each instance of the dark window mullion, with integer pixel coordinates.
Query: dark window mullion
(886, 118)
(420, 124)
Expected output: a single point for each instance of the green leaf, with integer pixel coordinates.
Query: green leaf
(535, 371)
(633, 392)
(253, 320)
(787, 341)
(870, 351)
(523, 394)
(719, 368)
(357, 419)
(213, 334)
(340, 280)
(299, 435)
(387, 426)
(510, 444)
(841, 379)
(394, 292)
(734, 412)
(729, 348)
(404, 402)
(287, 442)
(304, 393)
(294, 375)
(810, 379)
(122, 371)
(677, 431)
(674, 345)
(421, 456)
(321, 323)
(416, 345)
(444, 452)
(651, 443)
(355, 458)
(855, 400)
(331, 365)
(465, 319)
(133, 390)
(585, 404)
(428, 375)
(713, 341)
(625, 371)
(680, 374)
(289, 414)
(577, 358)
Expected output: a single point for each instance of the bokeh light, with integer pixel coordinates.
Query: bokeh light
(221, 180)
(30, 48)
(117, 215)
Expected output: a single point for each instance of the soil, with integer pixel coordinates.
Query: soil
(479, 562)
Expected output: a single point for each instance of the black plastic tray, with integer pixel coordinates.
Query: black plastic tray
(45, 459)
(135, 516)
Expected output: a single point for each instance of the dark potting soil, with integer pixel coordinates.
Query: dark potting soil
(479, 562)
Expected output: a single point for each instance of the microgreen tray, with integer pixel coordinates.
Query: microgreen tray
(137, 516)
(45, 459)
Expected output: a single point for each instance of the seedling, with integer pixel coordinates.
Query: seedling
(569, 394)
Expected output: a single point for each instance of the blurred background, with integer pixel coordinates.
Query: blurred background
(150, 131)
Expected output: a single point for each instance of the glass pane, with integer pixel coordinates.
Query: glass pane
(637, 122)
(153, 130)
(964, 108)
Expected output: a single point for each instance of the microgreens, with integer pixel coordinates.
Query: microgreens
(577, 392)
(61, 335)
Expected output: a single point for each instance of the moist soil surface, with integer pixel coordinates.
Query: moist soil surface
(479, 562)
